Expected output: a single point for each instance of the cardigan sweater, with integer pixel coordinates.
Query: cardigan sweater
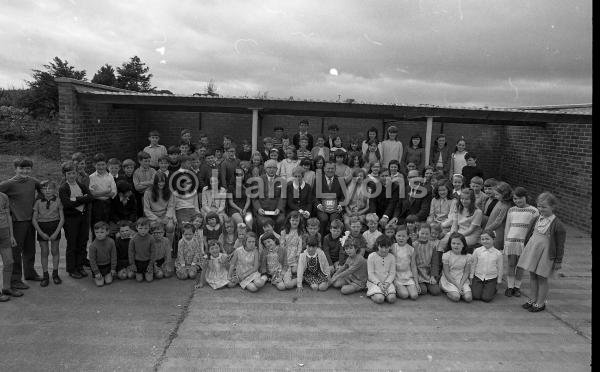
(558, 235)
(302, 260)
(435, 156)
(70, 206)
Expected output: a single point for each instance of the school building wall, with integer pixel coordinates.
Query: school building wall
(556, 158)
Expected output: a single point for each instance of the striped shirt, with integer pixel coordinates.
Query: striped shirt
(425, 258)
(518, 221)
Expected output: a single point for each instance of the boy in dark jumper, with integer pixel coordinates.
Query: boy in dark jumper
(122, 244)
(103, 255)
(142, 251)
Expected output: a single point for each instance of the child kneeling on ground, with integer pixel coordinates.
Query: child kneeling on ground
(274, 260)
(381, 268)
(122, 243)
(103, 255)
(162, 263)
(142, 251)
(189, 254)
(215, 268)
(313, 268)
(351, 277)
(244, 265)
(487, 267)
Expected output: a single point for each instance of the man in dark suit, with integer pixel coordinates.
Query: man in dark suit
(416, 202)
(303, 131)
(328, 195)
(269, 206)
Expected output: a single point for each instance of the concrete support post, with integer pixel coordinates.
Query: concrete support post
(428, 139)
(254, 129)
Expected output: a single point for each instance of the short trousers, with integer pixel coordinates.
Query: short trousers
(122, 264)
(160, 262)
(104, 269)
(48, 228)
(5, 238)
(141, 266)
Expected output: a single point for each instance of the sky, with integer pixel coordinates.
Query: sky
(497, 53)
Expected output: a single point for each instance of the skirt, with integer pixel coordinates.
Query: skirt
(48, 228)
(446, 286)
(373, 289)
(535, 256)
(249, 279)
(314, 278)
(514, 248)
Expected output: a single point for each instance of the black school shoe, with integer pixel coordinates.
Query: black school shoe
(75, 275)
(34, 278)
(509, 292)
(527, 305)
(12, 292)
(55, 278)
(18, 285)
(83, 273)
(516, 292)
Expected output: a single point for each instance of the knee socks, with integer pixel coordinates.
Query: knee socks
(510, 281)
(7, 274)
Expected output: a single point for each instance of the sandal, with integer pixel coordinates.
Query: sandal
(535, 308)
(527, 304)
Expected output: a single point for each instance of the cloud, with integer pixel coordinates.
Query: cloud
(413, 51)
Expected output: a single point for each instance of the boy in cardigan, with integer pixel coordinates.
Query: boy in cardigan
(142, 251)
(21, 191)
(427, 261)
(332, 246)
(103, 255)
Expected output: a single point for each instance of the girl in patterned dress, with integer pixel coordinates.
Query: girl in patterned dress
(274, 260)
(243, 268)
(291, 241)
(543, 252)
(215, 267)
(228, 236)
(189, 253)
(406, 268)
(519, 220)
(457, 269)
(313, 267)
(381, 269)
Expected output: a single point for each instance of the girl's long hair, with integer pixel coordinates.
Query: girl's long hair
(472, 207)
(160, 176)
(377, 153)
(457, 235)
(288, 226)
(372, 129)
(416, 135)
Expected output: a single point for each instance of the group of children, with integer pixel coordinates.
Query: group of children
(455, 249)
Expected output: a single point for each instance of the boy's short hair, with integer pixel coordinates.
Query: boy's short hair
(173, 150)
(371, 217)
(285, 136)
(320, 135)
(123, 186)
(99, 158)
(355, 219)
(153, 133)
(336, 224)
(196, 215)
(340, 153)
(143, 155)
(401, 228)
(188, 226)
(242, 226)
(491, 233)
(490, 182)
(303, 138)
(127, 163)
(304, 121)
(384, 241)
(124, 223)
(162, 158)
(185, 130)
(184, 143)
(227, 136)
(184, 158)
(68, 166)
(435, 226)
(78, 156)
(424, 225)
(390, 226)
(273, 150)
(477, 180)
(267, 223)
(411, 218)
(306, 162)
(101, 225)
(142, 221)
(333, 127)
(278, 128)
(268, 236)
(470, 155)
(209, 152)
(313, 222)
(48, 184)
(113, 161)
(267, 140)
(202, 135)
(156, 225)
(312, 241)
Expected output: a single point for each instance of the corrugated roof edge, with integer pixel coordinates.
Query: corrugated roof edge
(106, 90)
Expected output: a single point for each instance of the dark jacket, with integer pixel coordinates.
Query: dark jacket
(127, 212)
(304, 200)
(296, 141)
(435, 154)
(335, 189)
(69, 206)
(269, 198)
(401, 208)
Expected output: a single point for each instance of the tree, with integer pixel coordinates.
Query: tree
(211, 89)
(133, 75)
(105, 76)
(42, 97)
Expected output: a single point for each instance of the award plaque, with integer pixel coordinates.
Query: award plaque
(330, 205)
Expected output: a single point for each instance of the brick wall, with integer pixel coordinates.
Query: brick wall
(558, 159)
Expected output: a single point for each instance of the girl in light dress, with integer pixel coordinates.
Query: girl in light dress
(441, 204)
(519, 220)
(390, 148)
(291, 241)
(274, 260)
(381, 269)
(543, 252)
(406, 268)
(244, 265)
(456, 269)
(457, 159)
(214, 267)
